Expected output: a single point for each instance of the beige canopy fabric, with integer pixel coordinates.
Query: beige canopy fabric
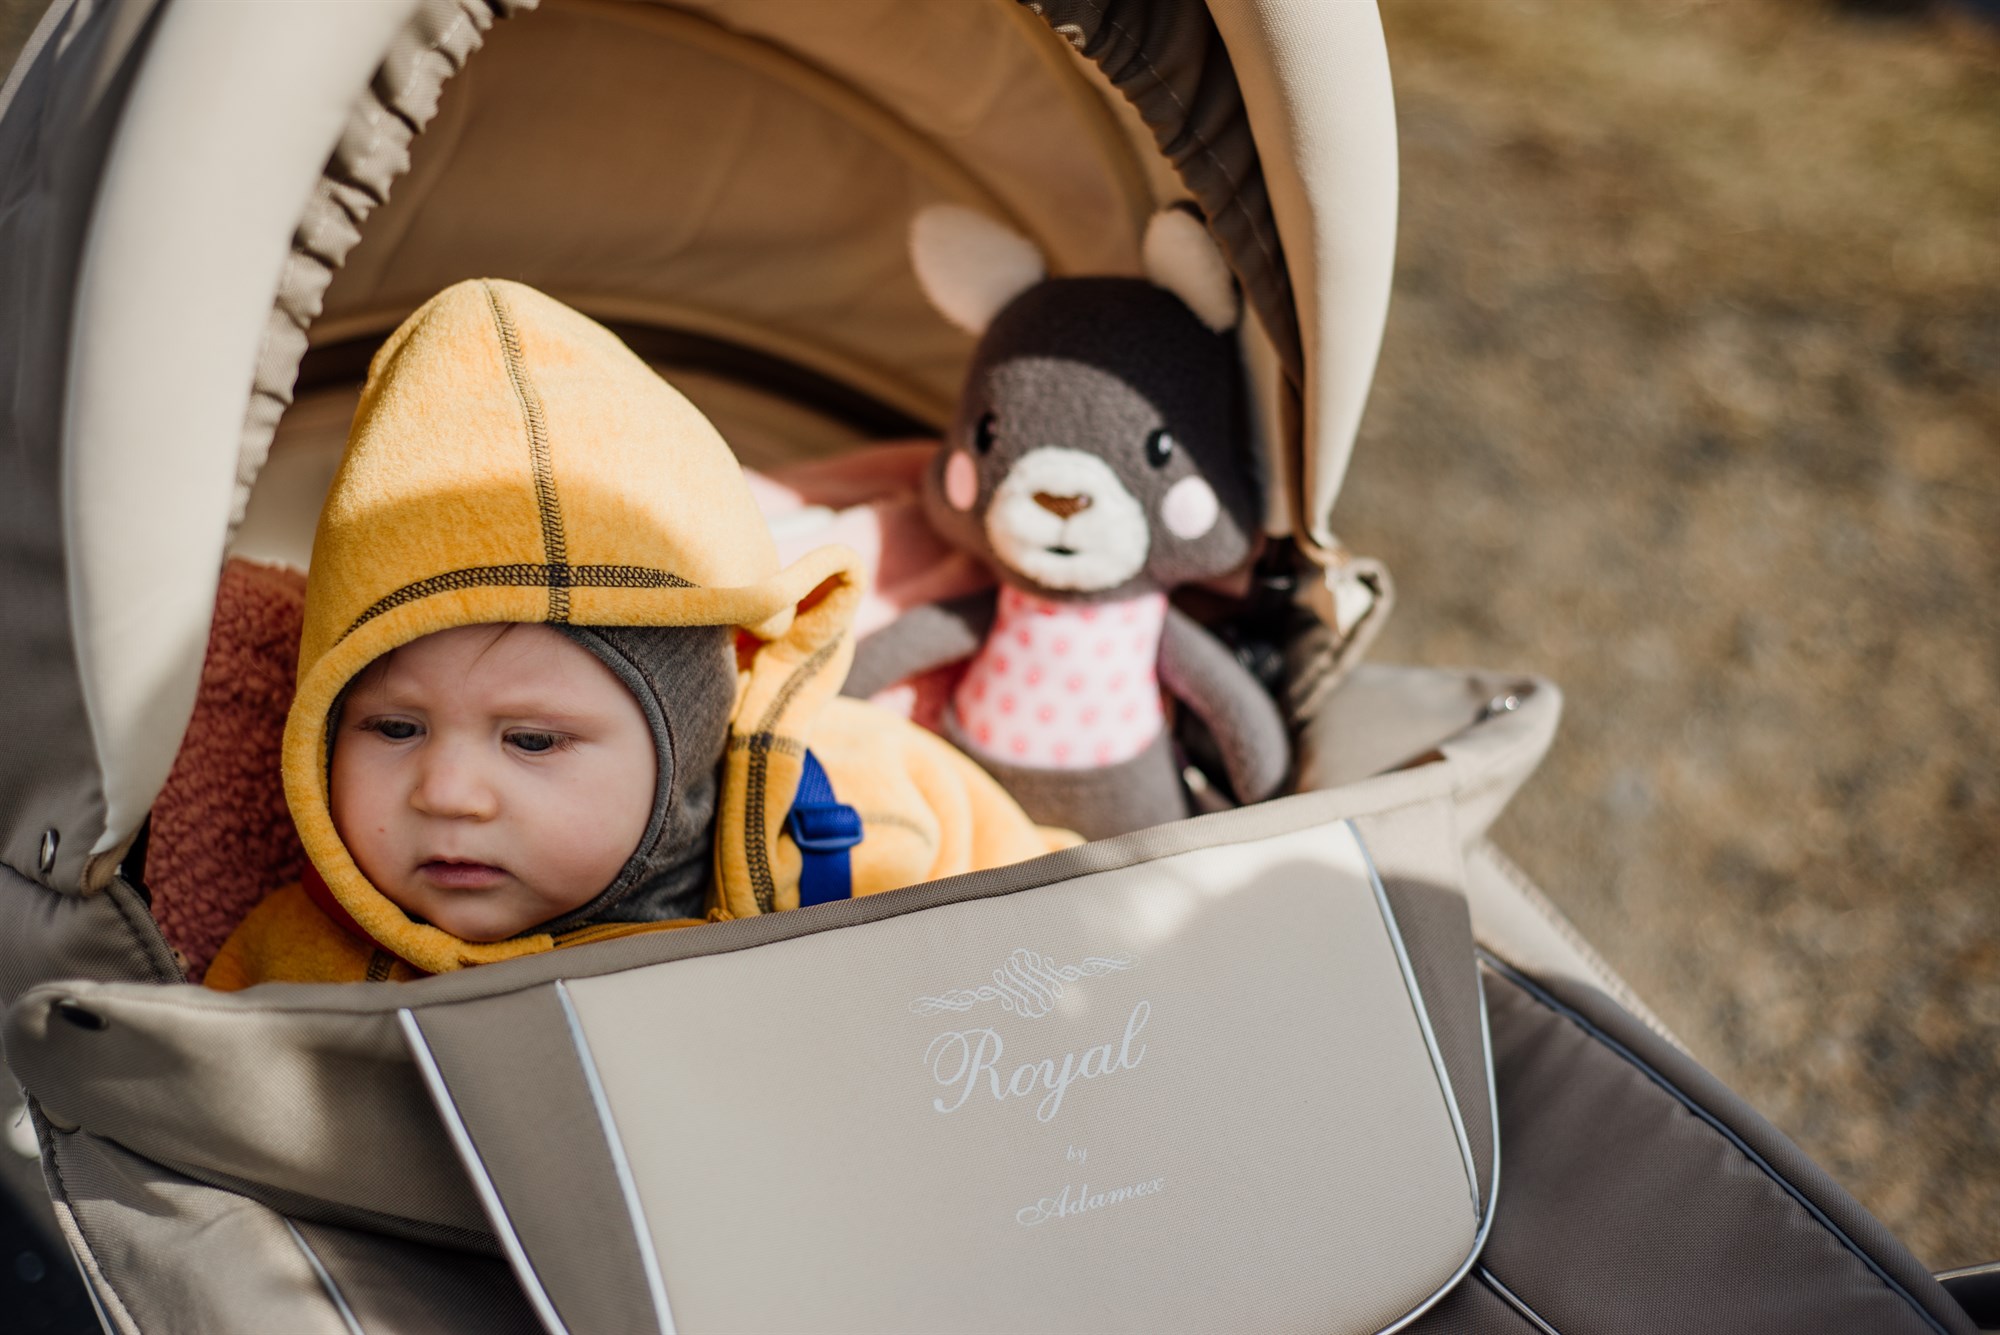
(200, 196)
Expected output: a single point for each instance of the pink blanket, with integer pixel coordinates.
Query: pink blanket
(869, 500)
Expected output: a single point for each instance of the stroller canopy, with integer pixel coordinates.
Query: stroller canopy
(205, 208)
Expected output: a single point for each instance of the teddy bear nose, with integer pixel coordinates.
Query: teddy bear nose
(1062, 507)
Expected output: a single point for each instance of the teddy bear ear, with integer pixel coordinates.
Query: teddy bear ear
(969, 265)
(1182, 257)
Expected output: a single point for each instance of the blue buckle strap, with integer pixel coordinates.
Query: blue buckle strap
(823, 828)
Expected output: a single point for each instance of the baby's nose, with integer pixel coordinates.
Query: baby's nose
(1062, 507)
(453, 789)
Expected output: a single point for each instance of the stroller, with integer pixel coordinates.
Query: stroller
(1321, 1025)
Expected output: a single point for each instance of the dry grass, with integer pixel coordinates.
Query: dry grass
(1691, 401)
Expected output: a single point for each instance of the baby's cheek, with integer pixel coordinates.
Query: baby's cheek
(355, 800)
(608, 810)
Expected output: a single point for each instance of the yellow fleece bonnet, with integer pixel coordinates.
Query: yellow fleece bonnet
(512, 460)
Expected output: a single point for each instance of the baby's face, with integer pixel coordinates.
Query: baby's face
(490, 778)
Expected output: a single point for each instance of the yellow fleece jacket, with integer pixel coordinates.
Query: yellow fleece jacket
(511, 460)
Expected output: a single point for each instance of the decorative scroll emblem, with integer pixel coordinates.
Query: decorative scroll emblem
(1027, 984)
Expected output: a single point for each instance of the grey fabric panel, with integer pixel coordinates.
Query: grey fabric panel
(1437, 932)
(297, 1205)
(1384, 714)
(21, 1177)
(1471, 1308)
(404, 1288)
(519, 1086)
(53, 144)
(326, 1107)
(46, 935)
(307, 1089)
(1416, 853)
(1625, 1211)
(1593, 1008)
(1168, 60)
(181, 1256)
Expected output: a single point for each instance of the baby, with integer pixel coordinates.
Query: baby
(492, 778)
(554, 686)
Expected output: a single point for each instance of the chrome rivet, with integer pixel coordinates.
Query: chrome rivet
(50, 838)
(1499, 704)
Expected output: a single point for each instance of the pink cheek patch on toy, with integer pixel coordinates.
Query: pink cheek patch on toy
(1189, 508)
(961, 480)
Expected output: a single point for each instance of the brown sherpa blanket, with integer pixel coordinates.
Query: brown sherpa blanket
(222, 836)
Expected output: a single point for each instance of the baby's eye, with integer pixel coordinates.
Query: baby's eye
(535, 743)
(395, 729)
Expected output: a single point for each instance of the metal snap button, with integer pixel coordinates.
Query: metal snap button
(50, 838)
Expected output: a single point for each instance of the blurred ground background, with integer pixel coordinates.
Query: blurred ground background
(1691, 401)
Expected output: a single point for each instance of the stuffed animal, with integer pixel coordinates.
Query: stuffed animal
(1097, 461)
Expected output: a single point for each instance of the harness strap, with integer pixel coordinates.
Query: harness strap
(823, 828)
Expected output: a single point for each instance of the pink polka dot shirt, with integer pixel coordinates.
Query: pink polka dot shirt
(1066, 685)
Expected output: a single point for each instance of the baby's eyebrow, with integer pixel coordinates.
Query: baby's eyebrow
(542, 718)
(379, 700)
(536, 711)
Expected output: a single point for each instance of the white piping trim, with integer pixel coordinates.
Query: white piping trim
(1423, 1015)
(90, 1288)
(1483, 1211)
(642, 1233)
(325, 1280)
(482, 1182)
(97, 1306)
(1492, 1108)
(1492, 1281)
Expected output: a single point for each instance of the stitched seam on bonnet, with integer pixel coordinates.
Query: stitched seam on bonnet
(555, 548)
(523, 574)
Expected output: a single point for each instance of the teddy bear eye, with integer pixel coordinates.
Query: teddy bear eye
(1159, 447)
(984, 432)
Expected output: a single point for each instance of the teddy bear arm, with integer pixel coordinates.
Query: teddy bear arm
(921, 639)
(1198, 669)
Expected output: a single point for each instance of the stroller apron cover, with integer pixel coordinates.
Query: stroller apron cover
(1326, 1063)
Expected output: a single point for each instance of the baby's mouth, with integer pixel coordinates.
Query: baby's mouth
(459, 874)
